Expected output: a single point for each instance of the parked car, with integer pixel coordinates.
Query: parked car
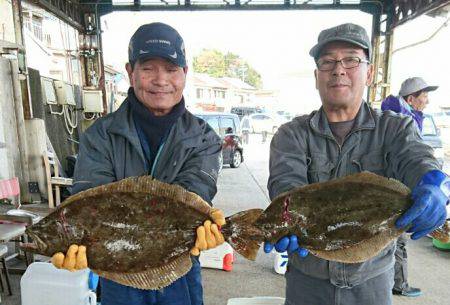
(227, 126)
(287, 115)
(265, 122)
(242, 111)
(431, 136)
(441, 119)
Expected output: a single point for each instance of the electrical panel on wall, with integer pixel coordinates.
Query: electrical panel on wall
(48, 91)
(93, 101)
(64, 93)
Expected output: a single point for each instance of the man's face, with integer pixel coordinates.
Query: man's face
(341, 87)
(419, 103)
(157, 83)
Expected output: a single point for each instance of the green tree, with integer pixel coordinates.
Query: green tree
(217, 64)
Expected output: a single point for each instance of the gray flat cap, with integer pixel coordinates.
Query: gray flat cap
(347, 32)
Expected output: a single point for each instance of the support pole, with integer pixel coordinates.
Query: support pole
(24, 178)
(382, 42)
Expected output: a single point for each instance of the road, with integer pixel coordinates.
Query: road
(244, 188)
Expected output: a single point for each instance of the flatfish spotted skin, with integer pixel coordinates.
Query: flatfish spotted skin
(349, 219)
(137, 231)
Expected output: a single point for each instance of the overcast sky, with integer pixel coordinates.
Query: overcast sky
(276, 44)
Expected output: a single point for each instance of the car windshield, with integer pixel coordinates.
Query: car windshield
(428, 128)
(212, 121)
(227, 126)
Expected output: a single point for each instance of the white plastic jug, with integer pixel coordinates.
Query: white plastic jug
(280, 262)
(220, 257)
(44, 284)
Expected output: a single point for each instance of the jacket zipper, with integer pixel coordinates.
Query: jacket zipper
(156, 158)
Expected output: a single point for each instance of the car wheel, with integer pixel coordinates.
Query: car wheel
(237, 159)
(220, 160)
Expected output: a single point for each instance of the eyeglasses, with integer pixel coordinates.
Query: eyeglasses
(346, 62)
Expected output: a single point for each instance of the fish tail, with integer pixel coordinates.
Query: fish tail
(240, 232)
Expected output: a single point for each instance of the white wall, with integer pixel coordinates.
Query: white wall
(6, 21)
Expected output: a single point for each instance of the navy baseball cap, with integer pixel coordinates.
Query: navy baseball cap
(347, 32)
(157, 40)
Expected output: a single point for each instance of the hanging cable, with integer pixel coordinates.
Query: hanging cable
(70, 118)
(55, 112)
(93, 117)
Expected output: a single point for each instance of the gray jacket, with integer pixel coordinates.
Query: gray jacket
(304, 151)
(110, 150)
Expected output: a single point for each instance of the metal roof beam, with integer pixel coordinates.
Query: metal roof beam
(66, 10)
(247, 6)
(404, 11)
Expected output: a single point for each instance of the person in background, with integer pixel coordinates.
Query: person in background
(411, 101)
(152, 133)
(245, 128)
(343, 137)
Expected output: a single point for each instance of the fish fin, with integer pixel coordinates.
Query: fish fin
(362, 251)
(443, 233)
(365, 177)
(240, 233)
(146, 184)
(369, 177)
(154, 278)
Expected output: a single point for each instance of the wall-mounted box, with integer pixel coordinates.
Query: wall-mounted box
(64, 93)
(48, 91)
(92, 101)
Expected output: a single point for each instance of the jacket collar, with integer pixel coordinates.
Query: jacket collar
(185, 128)
(123, 123)
(363, 120)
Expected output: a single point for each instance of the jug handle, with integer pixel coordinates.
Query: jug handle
(92, 298)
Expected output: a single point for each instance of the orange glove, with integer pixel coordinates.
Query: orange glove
(75, 259)
(208, 235)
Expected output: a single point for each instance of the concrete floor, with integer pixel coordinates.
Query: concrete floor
(245, 187)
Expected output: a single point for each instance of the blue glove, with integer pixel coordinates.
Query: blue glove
(288, 243)
(428, 211)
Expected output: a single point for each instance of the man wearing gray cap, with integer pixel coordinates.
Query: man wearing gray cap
(411, 100)
(152, 133)
(347, 136)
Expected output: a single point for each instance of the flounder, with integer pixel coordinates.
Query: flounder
(139, 231)
(349, 219)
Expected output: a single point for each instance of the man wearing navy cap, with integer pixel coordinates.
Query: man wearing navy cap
(152, 133)
(343, 137)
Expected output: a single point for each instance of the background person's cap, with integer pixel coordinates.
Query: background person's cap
(413, 85)
(157, 40)
(347, 32)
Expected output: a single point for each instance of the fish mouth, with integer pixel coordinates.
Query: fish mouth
(38, 245)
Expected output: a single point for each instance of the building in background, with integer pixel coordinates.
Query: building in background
(52, 45)
(208, 93)
(116, 87)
